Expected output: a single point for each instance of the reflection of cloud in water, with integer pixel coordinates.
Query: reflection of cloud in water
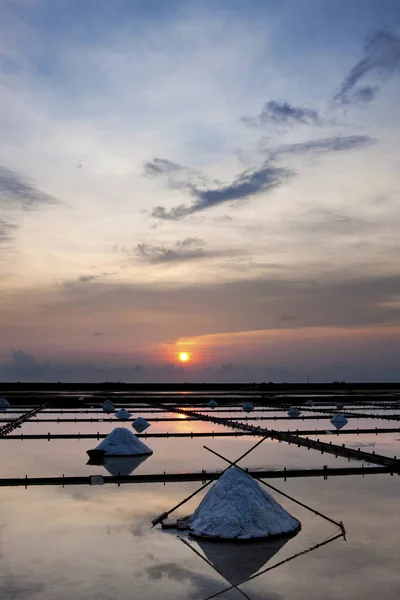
(238, 561)
(201, 584)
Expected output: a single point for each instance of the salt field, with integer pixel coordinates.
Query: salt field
(75, 529)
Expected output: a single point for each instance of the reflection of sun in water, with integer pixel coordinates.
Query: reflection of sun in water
(184, 356)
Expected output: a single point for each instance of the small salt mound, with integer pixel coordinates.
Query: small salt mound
(294, 412)
(4, 404)
(140, 424)
(339, 421)
(121, 442)
(248, 406)
(236, 507)
(212, 403)
(309, 403)
(108, 406)
(123, 414)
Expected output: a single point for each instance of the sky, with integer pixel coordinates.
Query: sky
(219, 178)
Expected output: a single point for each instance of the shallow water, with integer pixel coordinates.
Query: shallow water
(96, 542)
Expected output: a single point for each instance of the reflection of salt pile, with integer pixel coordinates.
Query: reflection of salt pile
(108, 406)
(309, 403)
(4, 404)
(120, 442)
(237, 562)
(237, 508)
(248, 406)
(212, 403)
(140, 424)
(293, 412)
(123, 414)
(340, 406)
(339, 421)
(123, 465)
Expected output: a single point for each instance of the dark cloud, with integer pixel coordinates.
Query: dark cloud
(17, 195)
(283, 113)
(380, 61)
(7, 229)
(322, 145)
(26, 367)
(248, 183)
(161, 166)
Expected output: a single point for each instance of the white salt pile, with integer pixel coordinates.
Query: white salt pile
(121, 442)
(123, 414)
(294, 412)
(4, 404)
(309, 403)
(140, 424)
(248, 406)
(108, 406)
(238, 508)
(212, 403)
(339, 421)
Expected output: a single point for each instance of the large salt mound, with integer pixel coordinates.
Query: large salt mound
(236, 507)
(122, 442)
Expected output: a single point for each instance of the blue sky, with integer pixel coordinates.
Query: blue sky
(214, 177)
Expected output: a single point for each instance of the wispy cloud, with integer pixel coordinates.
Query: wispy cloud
(380, 61)
(248, 183)
(16, 192)
(283, 113)
(17, 195)
(184, 250)
(321, 146)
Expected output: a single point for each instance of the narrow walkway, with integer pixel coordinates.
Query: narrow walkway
(292, 438)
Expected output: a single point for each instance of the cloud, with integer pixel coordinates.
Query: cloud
(248, 183)
(283, 113)
(263, 180)
(321, 146)
(187, 249)
(380, 61)
(162, 166)
(17, 195)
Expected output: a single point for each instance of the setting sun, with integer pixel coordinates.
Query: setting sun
(184, 356)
